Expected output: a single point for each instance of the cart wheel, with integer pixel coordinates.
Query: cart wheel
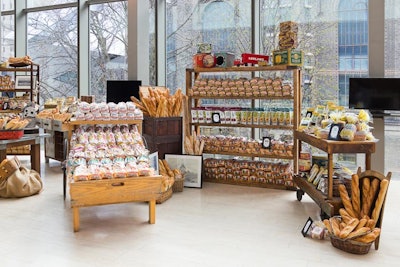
(299, 194)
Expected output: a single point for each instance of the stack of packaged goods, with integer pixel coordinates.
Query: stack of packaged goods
(288, 42)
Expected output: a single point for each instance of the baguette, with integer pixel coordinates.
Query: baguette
(370, 237)
(372, 195)
(379, 201)
(359, 232)
(366, 185)
(361, 224)
(355, 195)
(348, 228)
(335, 226)
(370, 223)
(345, 216)
(328, 226)
(346, 200)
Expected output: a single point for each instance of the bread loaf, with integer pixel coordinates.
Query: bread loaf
(328, 226)
(366, 184)
(335, 225)
(355, 195)
(359, 232)
(373, 191)
(346, 200)
(345, 216)
(370, 237)
(370, 223)
(379, 200)
(361, 224)
(349, 228)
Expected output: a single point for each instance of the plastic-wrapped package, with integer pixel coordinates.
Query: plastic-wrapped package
(81, 173)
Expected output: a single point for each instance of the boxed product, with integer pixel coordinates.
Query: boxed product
(224, 59)
(204, 48)
(290, 57)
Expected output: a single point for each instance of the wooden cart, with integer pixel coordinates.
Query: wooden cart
(329, 205)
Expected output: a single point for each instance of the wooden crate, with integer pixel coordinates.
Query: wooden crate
(163, 135)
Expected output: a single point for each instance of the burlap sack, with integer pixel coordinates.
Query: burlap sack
(17, 180)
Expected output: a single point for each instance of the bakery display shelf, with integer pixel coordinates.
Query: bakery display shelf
(330, 147)
(329, 207)
(93, 122)
(278, 127)
(10, 111)
(251, 184)
(246, 68)
(71, 125)
(21, 68)
(33, 71)
(244, 97)
(194, 101)
(251, 155)
(15, 90)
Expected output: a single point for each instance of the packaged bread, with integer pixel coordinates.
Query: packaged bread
(348, 131)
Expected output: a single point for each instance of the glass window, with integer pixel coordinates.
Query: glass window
(226, 25)
(7, 5)
(39, 3)
(52, 43)
(152, 44)
(7, 37)
(108, 46)
(392, 70)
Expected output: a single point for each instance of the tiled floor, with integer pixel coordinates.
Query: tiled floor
(219, 225)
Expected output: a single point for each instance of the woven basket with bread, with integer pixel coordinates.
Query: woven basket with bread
(360, 220)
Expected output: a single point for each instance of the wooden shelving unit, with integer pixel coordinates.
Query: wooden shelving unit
(195, 101)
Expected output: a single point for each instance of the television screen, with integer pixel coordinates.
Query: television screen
(374, 94)
(122, 90)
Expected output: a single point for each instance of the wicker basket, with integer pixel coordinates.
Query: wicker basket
(164, 196)
(350, 246)
(178, 185)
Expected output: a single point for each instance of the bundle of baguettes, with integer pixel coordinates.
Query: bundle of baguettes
(361, 212)
(160, 103)
(193, 145)
(170, 174)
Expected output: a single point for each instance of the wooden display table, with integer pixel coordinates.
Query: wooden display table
(33, 140)
(329, 205)
(114, 191)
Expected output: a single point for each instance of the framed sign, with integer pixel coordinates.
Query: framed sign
(190, 167)
(266, 142)
(334, 131)
(24, 82)
(306, 227)
(154, 162)
(216, 118)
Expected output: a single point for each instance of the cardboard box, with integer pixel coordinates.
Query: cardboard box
(224, 59)
(290, 57)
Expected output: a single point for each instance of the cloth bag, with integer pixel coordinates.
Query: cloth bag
(17, 180)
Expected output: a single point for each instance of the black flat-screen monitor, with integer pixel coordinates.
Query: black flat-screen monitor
(122, 90)
(375, 94)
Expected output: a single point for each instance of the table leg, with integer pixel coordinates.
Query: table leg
(152, 211)
(35, 157)
(3, 154)
(75, 214)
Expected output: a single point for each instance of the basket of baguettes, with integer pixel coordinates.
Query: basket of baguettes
(12, 127)
(360, 221)
(158, 102)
